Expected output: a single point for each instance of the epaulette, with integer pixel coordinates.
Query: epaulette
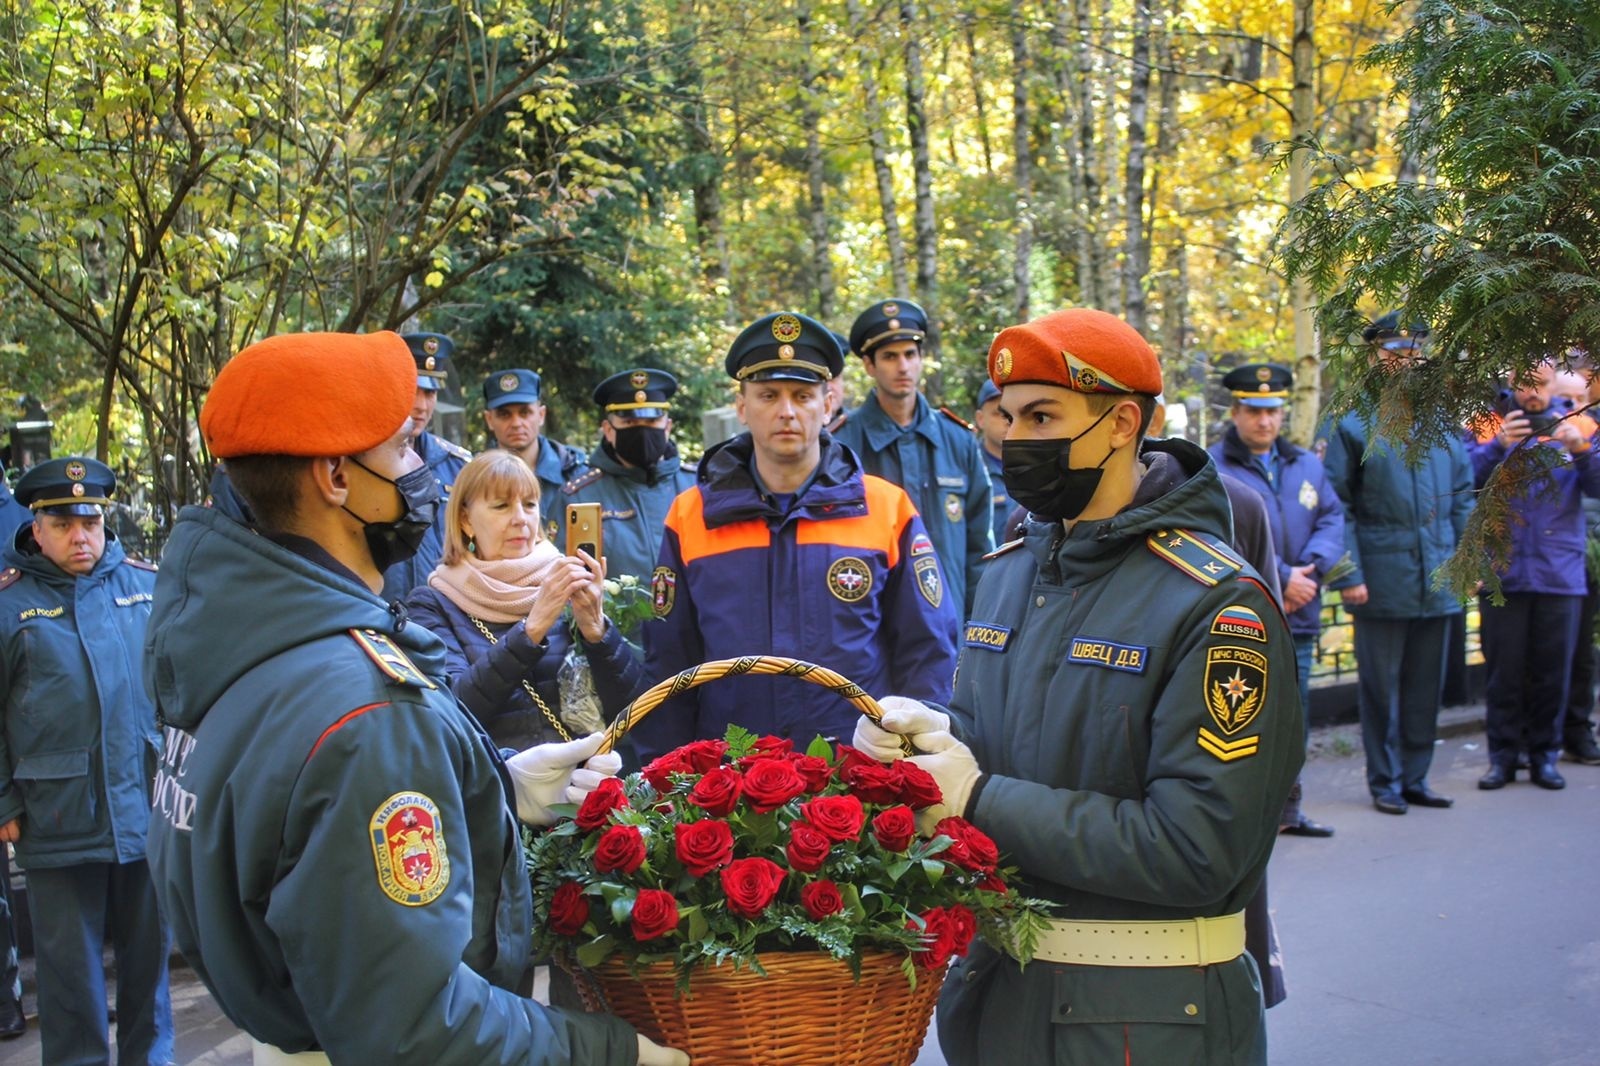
(140, 564)
(1006, 548)
(1202, 560)
(844, 416)
(454, 450)
(590, 478)
(394, 663)
(8, 577)
(958, 420)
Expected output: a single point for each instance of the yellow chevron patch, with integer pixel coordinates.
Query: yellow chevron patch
(1228, 750)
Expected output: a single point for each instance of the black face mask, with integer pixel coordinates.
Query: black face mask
(1039, 475)
(398, 540)
(641, 446)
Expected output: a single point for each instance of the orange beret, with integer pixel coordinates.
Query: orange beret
(1079, 349)
(310, 394)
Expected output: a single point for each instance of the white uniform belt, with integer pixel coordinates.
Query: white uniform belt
(267, 1055)
(1180, 942)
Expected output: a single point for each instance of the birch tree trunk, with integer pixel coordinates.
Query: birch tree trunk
(816, 177)
(1086, 206)
(1021, 270)
(922, 170)
(879, 143)
(1135, 248)
(1302, 104)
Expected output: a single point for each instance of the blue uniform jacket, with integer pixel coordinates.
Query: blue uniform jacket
(445, 460)
(80, 740)
(1547, 539)
(1128, 690)
(1401, 522)
(1304, 511)
(487, 677)
(845, 577)
(557, 465)
(939, 464)
(12, 514)
(332, 841)
(1002, 498)
(633, 507)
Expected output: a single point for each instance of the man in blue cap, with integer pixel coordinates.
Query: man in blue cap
(785, 546)
(991, 426)
(513, 409)
(432, 352)
(1306, 517)
(80, 745)
(637, 471)
(929, 453)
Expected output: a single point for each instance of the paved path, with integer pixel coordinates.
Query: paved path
(1466, 937)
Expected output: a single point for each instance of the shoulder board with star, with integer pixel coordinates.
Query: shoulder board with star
(394, 663)
(837, 423)
(1006, 548)
(957, 419)
(571, 487)
(9, 576)
(454, 450)
(1195, 554)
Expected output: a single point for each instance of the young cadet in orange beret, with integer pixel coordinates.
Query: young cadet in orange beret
(1125, 725)
(335, 841)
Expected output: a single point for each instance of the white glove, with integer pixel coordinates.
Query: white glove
(901, 717)
(953, 767)
(653, 1054)
(547, 774)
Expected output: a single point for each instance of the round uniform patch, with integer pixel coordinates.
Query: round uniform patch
(508, 382)
(663, 591)
(1088, 380)
(76, 471)
(786, 328)
(638, 379)
(408, 847)
(890, 310)
(952, 507)
(1263, 373)
(850, 579)
(428, 364)
(1235, 686)
(1002, 364)
(431, 346)
(77, 489)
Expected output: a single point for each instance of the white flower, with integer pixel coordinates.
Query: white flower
(612, 588)
(628, 581)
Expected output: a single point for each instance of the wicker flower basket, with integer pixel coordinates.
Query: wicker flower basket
(807, 1011)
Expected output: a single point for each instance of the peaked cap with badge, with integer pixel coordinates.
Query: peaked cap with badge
(640, 393)
(1078, 348)
(432, 353)
(887, 320)
(1259, 384)
(74, 485)
(517, 385)
(1386, 330)
(986, 392)
(786, 346)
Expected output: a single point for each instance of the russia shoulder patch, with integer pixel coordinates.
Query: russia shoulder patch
(921, 545)
(408, 848)
(1239, 622)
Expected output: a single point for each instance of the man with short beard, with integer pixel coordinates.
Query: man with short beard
(514, 411)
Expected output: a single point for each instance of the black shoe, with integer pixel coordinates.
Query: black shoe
(1305, 827)
(1423, 796)
(1498, 776)
(1586, 752)
(13, 1023)
(1389, 803)
(1543, 773)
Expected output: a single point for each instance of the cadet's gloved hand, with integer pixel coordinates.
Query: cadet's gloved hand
(547, 774)
(952, 765)
(653, 1054)
(902, 717)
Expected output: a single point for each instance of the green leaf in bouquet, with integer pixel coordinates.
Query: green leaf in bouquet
(820, 748)
(852, 901)
(594, 952)
(699, 928)
(622, 908)
(740, 742)
(934, 869)
(897, 870)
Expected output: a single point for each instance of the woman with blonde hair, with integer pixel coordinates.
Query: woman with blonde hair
(497, 600)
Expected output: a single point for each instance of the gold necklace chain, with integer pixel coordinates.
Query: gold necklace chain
(544, 708)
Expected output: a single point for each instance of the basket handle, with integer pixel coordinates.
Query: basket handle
(696, 676)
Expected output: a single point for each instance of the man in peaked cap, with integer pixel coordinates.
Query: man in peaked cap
(80, 743)
(930, 453)
(991, 428)
(332, 828)
(1124, 723)
(431, 352)
(784, 546)
(1306, 516)
(513, 409)
(637, 471)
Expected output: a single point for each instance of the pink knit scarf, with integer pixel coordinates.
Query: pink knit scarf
(499, 591)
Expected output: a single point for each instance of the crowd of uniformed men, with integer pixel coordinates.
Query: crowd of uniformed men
(333, 841)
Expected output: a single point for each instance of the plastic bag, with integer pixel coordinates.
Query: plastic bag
(580, 704)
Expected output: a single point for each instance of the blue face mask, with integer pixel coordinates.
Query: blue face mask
(1039, 474)
(398, 540)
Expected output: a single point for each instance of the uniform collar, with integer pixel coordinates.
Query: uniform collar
(882, 431)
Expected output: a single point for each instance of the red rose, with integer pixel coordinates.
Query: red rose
(972, 849)
(702, 755)
(836, 817)
(851, 757)
(597, 806)
(938, 940)
(814, 769)
(655, 914)
(992, 883)
(718, 791)
(895, 828)
(770, 748)
(569, 910)
(963, 926)
(703, 846)
(621, 849)
(807, 849)
(750, 885)
(873, 782)
(659, 771)
(770, 783)
(820, 899)
(917, 787)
